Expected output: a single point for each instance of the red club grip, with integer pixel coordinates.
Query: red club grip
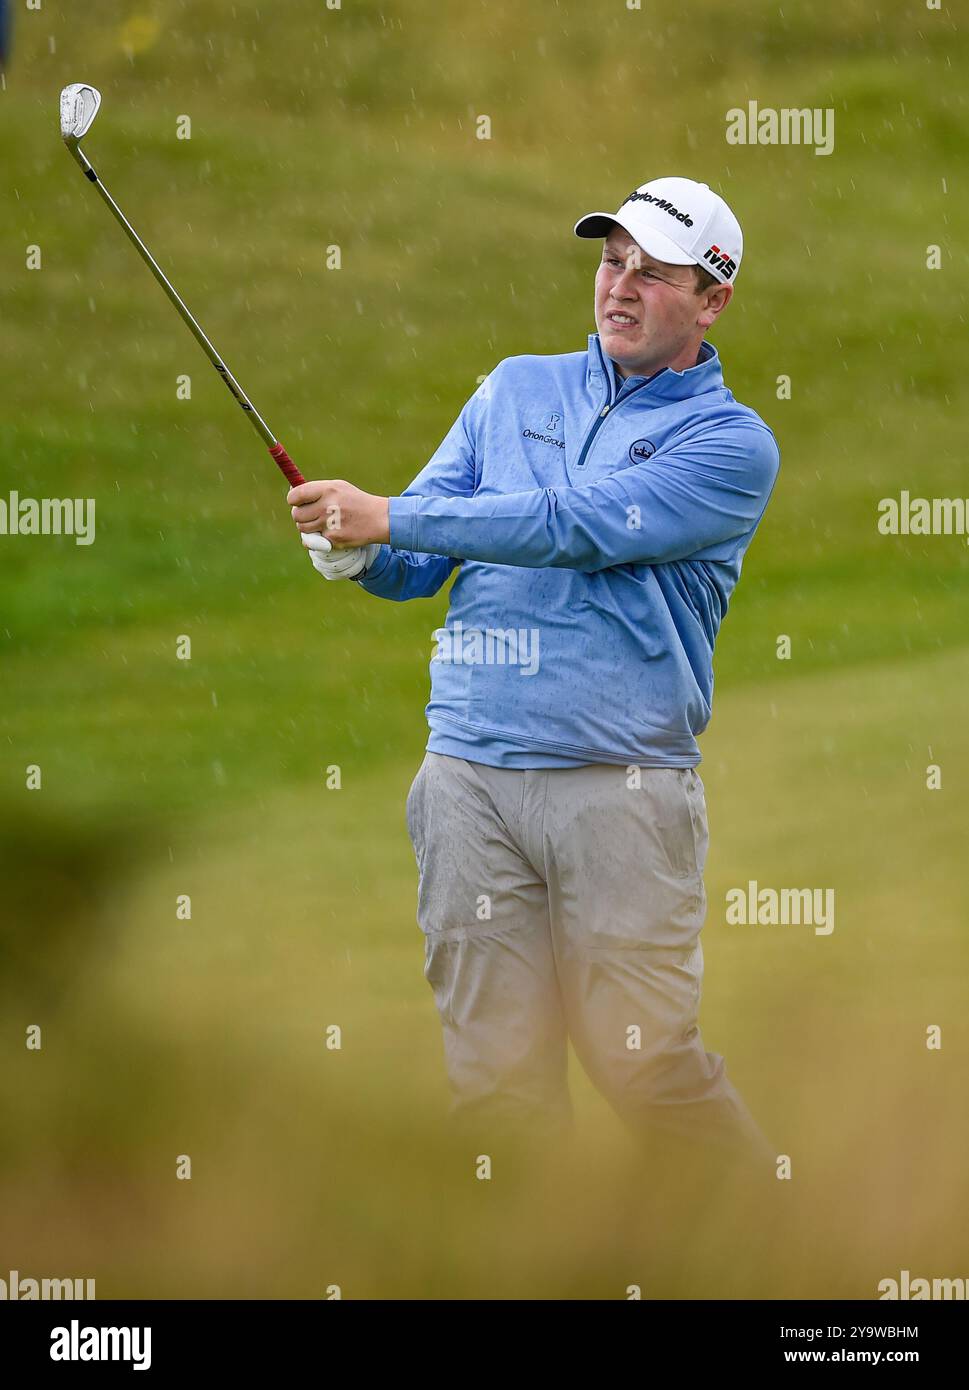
(286, 466)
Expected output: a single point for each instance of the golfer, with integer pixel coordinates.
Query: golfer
(597, 506)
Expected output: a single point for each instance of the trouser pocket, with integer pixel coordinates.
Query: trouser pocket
(679, 817)
(414, 813)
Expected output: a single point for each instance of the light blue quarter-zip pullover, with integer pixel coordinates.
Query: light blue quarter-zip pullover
(599, 526)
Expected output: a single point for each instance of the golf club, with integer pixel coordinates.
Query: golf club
(79, 106)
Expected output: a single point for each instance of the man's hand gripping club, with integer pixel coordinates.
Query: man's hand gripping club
(341, 526)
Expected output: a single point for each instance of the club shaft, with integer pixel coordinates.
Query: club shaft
(252, 414)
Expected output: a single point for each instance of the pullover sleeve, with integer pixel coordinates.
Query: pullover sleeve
(709, 489)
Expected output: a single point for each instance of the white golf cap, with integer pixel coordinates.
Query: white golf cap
(677, 221)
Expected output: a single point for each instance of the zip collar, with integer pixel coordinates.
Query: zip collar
(667, 384)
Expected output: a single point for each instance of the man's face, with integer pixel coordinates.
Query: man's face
(669, 316)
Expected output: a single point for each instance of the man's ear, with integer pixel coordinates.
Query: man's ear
(714, 302)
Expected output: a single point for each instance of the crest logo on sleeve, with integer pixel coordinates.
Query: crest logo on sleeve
(641, 450)
(726, 265)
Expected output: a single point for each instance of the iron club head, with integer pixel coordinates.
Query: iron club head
(79, 106)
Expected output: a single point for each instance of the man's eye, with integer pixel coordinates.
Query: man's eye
(612, 260)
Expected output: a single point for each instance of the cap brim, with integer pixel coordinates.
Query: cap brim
(600, 224)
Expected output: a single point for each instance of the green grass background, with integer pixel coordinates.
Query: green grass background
(355, 127)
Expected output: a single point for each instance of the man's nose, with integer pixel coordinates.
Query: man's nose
(624, 285)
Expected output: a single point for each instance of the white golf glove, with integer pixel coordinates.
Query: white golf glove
(338, 564)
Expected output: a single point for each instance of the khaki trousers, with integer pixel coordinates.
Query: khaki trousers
(567, 904)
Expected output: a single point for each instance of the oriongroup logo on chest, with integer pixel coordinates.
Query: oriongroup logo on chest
(548, 429)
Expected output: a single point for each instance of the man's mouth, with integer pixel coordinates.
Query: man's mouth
(621, 320)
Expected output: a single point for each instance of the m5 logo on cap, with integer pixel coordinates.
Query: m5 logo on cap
(720, 261)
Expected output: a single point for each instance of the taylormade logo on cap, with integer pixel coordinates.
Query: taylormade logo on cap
(663, 203)
(678, 221)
